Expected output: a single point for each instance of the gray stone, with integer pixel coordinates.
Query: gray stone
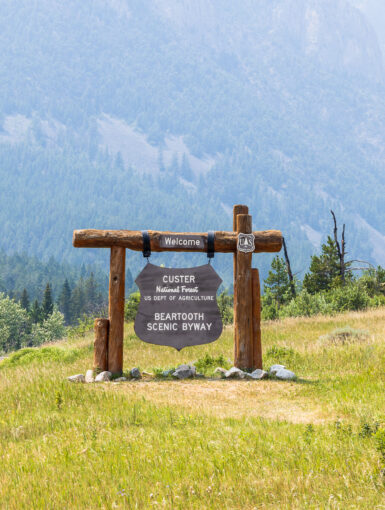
(221, 371)
(235, 373)
(90, 376)
(120, 379)
(147, 374)
(184, 372)
(274, 368)
(167, 373)
(135, 373)
(103, 377)
(78, 378)
(285, 375)
(259, 374)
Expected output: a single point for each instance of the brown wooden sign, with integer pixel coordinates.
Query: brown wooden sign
(178, 307)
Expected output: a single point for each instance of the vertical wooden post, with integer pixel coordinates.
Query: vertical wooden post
(237, 209)
(101, 345)
(116, 309)
(257, 341)
(244, 301)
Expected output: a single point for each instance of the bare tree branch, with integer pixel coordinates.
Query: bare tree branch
(362, 262)
(341, 252)
(288, 269)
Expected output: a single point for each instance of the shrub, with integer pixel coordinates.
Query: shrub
(306, 304)
(52, 329)
(131, 306)
(209, 362)
(30, 355)
(281, 355)
(14, 325)
(269, 306)
(344, 335)
(349, 297)
(225, 305)
(376, 301)
(84, 324)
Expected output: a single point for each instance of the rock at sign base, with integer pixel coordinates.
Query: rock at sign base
(90, 376)
(120, 379)
(135, 373)
(235, 373)
(274, 369)
(259, 374)
(103, 377)
(285, 375)
(77, 378)
(221, 371)
(184, 372)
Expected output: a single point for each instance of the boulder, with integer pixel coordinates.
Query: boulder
(258, 374)
(167, 373)
(274, 369)
(184, 372)
(103, 377)
(90, 376)
(285, 375)
(78, 378)
(135, 373)
(235, 373)
(120, 379)
(221, 371)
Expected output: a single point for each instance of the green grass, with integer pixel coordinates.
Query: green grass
(200, 444)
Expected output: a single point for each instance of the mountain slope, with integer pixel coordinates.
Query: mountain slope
(139, 114)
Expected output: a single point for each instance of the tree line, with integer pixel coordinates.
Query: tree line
(85, 298)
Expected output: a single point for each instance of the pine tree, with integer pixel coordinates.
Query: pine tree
(91, 294)
(64, 302)
(36, 312)
(324, 271)
(78, 300)
(24, 301)
(277, 282)
(47, 305)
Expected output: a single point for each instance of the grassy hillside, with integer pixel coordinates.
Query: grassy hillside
(200, 443)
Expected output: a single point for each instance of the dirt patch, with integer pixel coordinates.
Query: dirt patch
(272, 400)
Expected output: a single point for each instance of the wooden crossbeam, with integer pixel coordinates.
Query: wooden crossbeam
(225, 242)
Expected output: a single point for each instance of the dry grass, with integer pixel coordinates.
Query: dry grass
(202, 443)
(225, 399)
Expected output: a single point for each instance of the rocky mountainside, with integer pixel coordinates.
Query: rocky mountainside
(164, 113)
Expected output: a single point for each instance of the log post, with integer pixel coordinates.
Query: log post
(101, 344)
(116, 309)
(257, 341)
(237, 209)
(244, 301)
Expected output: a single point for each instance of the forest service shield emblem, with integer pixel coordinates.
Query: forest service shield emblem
(246, 243)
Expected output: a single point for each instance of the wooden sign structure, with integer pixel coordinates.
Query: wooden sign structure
(108, 353)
